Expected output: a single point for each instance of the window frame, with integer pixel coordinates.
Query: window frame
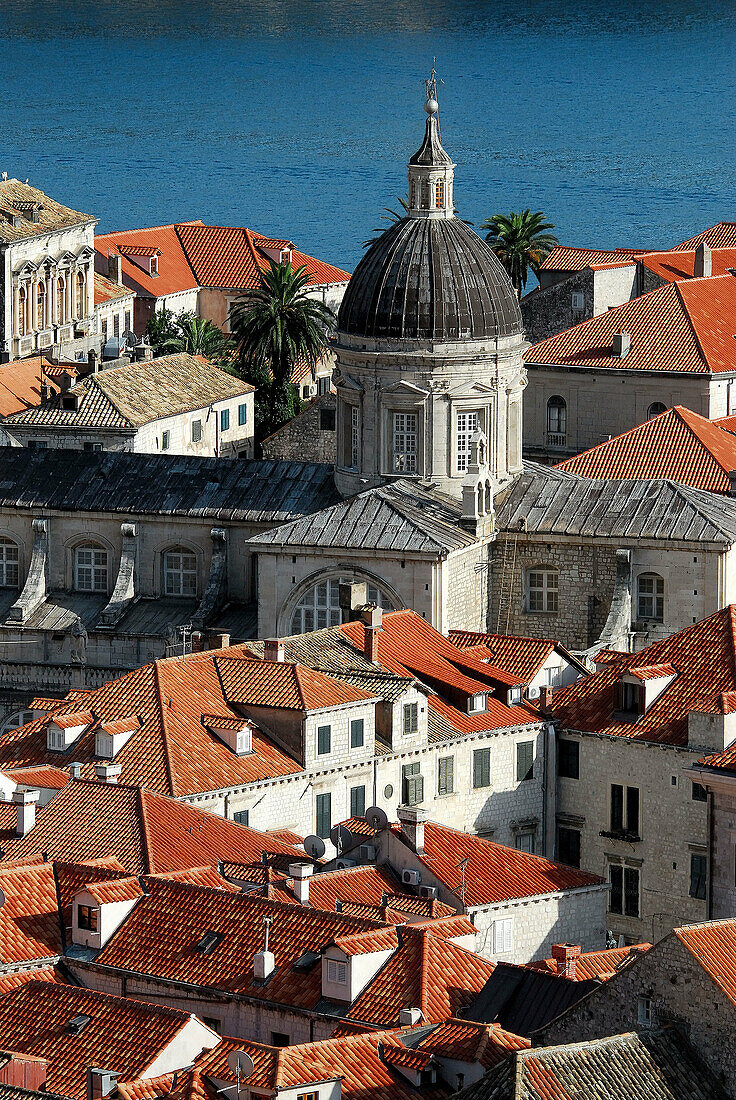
(224, 420)
(196, 431)
(182, 571)
(357, 801)
(9, 563)
(654, 600)
(354, 724)
(322, 813)
(88, 917)
(556, 415)
(445, 776)
(471, 422)
(546, 593)
(503, 935)
(242, 414)
(528, 750)
(569, 831)
(481, 768)
(410, 719)
(404, 441)
(568, 758)
(698, 888)
(324, 737)
(98, 570)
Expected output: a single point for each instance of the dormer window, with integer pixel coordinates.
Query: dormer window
(477, 703)
(337, 972)
(70, 401)
(87, 916)
(154, 265)
(285, 256)
(631, 701)
(514, 696)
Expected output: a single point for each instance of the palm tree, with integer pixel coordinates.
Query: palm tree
(198, 336)
(391, 216)
(274, 326)
(521, 241)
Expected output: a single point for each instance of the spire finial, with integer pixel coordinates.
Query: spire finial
(432, 106)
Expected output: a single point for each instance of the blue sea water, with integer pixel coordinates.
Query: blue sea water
(296, 117)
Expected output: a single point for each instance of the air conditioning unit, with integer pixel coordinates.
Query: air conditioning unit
(428, 892)
(411, 878)
(344, 864)
(368, 852)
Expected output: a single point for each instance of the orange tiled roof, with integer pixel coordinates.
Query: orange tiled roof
(466, 1041)
(146, 832)
(174, 272)
(19, 977)
(684, 327)
(410, 647)
(713, 945)
(650, 672)
(704, 656)
(565, 258)
(594, 964)
(125, 1034)
(522, 657)
(115, 890)
(20, 382)
(172, 751)
(107, 291)
(200, 876)
(252, 682)
(45, 776)
(677, 444)
(721, 235)
(29, 917)
(680, 264)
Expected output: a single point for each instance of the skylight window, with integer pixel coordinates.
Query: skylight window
(209, 942)
(77, 1024)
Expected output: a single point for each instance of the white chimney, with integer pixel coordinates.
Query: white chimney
(703, 262)
(75, 770)
(25, 809)
(409, 1017)
(273, 650)
(411, 820)
(300, 873)
(108, 773)
(264, 962)
(621, 345)
(100, 1082)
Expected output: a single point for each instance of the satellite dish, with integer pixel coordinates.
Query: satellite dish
(241, 1064)
(314, 846)
(341, 837)
(376, 818)
(130, 338)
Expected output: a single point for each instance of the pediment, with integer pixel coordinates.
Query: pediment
(403, 386)
(28, 268)
(66, 258)
(472, 389)
(346, 381)
(85, 253)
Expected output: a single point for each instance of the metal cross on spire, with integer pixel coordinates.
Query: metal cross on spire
(431, 86)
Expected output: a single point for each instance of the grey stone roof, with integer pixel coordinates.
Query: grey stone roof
(20, 198)
(400, 516)
(221, 489)
(647, 1066)
(547, 501)
(128, 397)
(430, 151)
(430, 279)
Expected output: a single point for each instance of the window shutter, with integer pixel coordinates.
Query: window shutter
(502, 935)
(632, 809)
(617, 807)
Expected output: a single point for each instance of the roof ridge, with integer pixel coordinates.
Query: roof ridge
(678, 284)
(163, 730)
(144, 831)
(182, 246)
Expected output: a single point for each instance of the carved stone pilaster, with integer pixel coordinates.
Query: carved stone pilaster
(215, 593)
(34, 590)
(124, 591)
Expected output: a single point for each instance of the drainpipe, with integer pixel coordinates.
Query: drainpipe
(711, 846)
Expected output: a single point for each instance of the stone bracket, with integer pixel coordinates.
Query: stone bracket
(34, 590)
(215, 593)
(618, 624)
(124, 591)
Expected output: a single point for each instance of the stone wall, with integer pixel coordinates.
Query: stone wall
(465, 589)
(304, 439)
(681, 993)
(549, 311)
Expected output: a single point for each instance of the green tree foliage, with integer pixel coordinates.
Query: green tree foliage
(275, 326)
(521, 241)
(199, 336)
(163, 327)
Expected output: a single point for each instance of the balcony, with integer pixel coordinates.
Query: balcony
(556, 439)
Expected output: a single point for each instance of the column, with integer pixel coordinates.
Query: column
(15, 324)
(53, 280)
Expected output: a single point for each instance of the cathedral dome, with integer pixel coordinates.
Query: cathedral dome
(429, 278)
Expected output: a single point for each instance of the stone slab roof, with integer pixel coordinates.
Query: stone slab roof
(220, 489)
(400, 516)
(21, 198)
(551, 501)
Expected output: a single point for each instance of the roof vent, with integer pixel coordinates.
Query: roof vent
(209, 942)
(621, 345)
(264, 962)
(77, 1024)
(75, 770)
(409, 1017)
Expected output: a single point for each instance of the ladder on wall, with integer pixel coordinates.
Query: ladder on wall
(506, 587)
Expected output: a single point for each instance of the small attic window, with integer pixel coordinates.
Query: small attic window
(154, 265)
(77, 1024)
(631, 700)
(209, 942)
(285, 256)
(514, 696)
(70, 401)
(477, 703)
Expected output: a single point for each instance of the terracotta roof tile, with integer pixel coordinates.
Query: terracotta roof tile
(20, 382)
(564, 258)
(650, 672)
(46, 777)
(677, 444)
(19, 977)
(594, 964)
(29, 917)
(713, 945)
(721, 235)
(174, 272)
(107, 291)
(522, 657)
(282, 684)
(115, 890)
(466, 1041)
(52, 216)
(680, 264)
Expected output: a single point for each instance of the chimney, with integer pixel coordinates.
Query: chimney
(197, 641)
(300, 872)
(45, 391)
(409, 1017)
(75, 770)
(92, 362)
(352, 596)
(218, 639)
(621, 345)
(372, 617)
(25, 810)
(411, 820)
(115, 267)
(703, 263)
(108, 772)
(273, 650)
(25, 1071)
(732, 483)
(101, 1082)
(545, 698)
(566, 958)
(264, 963)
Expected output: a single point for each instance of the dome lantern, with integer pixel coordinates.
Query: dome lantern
(431, 171)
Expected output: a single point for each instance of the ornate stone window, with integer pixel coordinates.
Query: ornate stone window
(40, 305)
(543, 590)
(180, 572)
(405, 439)
(650, 597)
(655, 409)
(79, 298)
(90, 568)
(467, 423)
(439, 195)
(60, 300)
(354, 437)
(556, 421)
(319, 607)
(22, 311)
(9, 564)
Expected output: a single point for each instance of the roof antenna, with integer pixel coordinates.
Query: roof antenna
(461, 867)
(267, 928)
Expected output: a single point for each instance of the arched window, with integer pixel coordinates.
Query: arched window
(9, 564)
(79, 301)
(557, 418)
(655, 409)
(413, 198)
(542, 586)
(180, 572)
(489, 498)
(319, 607)
(90, 568)
(18, 719)
(22, 311)
(60, 299)
(650, 597)
(425, 194)
(439, 194)
(41, 305)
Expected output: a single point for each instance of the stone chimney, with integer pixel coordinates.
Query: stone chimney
(353, 596)
(621, 345)
(566, 958)
(100, 1082)
(545, 698)
(703, 263)
(75, 770)
(411, 820)
(108, 772)
(372, 618)
(197, 641)
(300, 873)
(273, 650)
(115, 267)
(218, 639)
(25, 811)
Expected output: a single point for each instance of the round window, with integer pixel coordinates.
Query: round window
(388, 791)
